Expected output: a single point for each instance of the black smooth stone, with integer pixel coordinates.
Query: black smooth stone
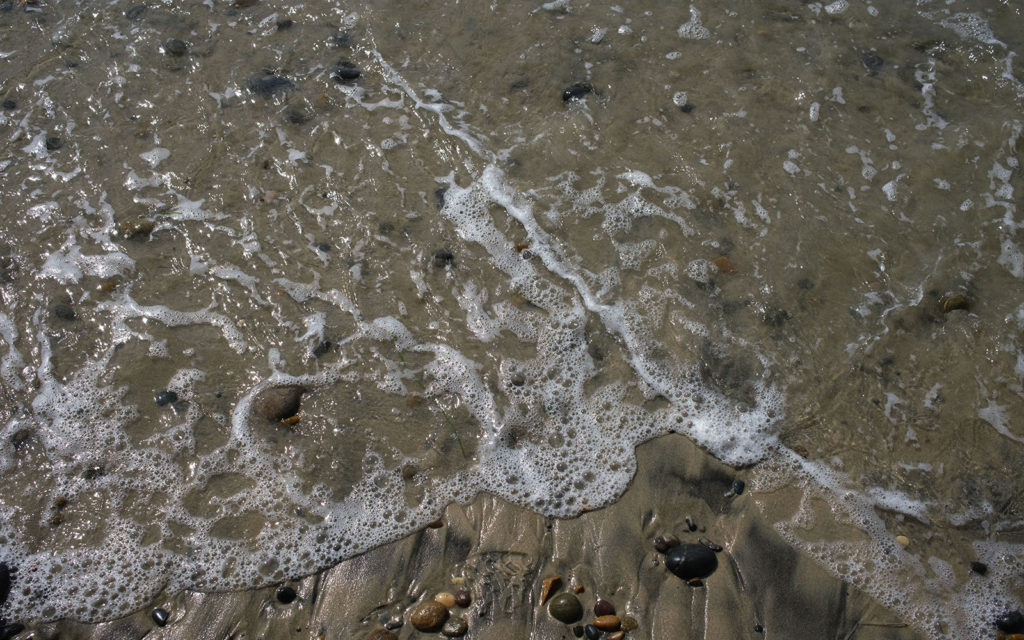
(64, 311)
(323, 246)
(175, 47)
(871, 61)
(298, 116)
(286, 595)
(1010, 622)
(443, 258)
(758, 628)
(8, 631)
(439, 195)
(285, 24)
(578, 631)
(592, 632)
(322, 348)
(269, 86)
(53, 143)
(687, 108)
(576, 91)
(10, 104)
(5, 582)
(160, 616)
(135, 12)
(346, 73)
(738, 486)
(603, 608)
(979, 568)
(690, 561)
(163, 398)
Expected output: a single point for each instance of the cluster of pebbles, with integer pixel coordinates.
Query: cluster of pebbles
(432, 616)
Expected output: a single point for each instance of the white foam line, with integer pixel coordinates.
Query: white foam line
(12, 362)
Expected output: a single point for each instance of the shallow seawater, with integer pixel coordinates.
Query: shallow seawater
(498, 247)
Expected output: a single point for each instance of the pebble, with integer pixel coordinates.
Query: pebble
(278, 403)
(871, 61)
(603, 608)
(758, 628)
(687, 108)
(955, 302)
(689, 561)
(136, 228)
(321, 348)
(690, 524)
(268, 86)
(175, 47)
(135, 12)
(285, 24)
(548, 587)
(443, 258)
(566, 608)
(714, 546)
(445, 598)
(1010, 622)
(578, 631)
(904, 541)
(8, 631)
(591, 632)
(64, 311)
(617, 635)
(576, 91)
(323, 246)
(429, 616)
(607, 623)
(160, 616)
(5, 582)
(346, 73)
(724, 265)
(629, 623)
(979, 568)
(455, 627)
(439, 195)
(381, 634)
(738, 486)
(286, 595)
(462, 598)
(53, 143)
(664, 543)
(10, 104)
(775, 317)
(165, 397)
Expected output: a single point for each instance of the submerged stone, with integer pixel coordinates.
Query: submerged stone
(10, 104)
(53, 143)
(443, 258)
(64, 311)
(689, 561)
(346, 73)
(455, 627)
(1010, 622)
(163, 398)
(286, 595)
(269, 86)
(160, 616)
(577, 91)
(278, 403)
(175, 47)
(429, 616)
(871, 61)
(566, 608)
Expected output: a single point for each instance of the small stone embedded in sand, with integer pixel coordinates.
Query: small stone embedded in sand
(136, 228)
(165, 397)
(577, 91)
(714, 546)
(1010, 622)
(346, 73)
(690, 523)
(160, 616)
(629, 623)
(607, 623)
(689, 561)
(445, 598)
(903, 541)
(463, 598)
(53, 143)
(664, 543)
(591, 632)
(455, 627)
(617, 635)
(443, 258)
(954, 302)
(979, 568)
(565, 607)
(429, 616)
(604, 608)
(737, 488)
(549, 587)
(175, 47)
(64, 311)
(381, 634)
(286, 595)
(277, 403)
(724, 264)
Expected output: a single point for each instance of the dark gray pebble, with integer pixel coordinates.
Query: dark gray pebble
(323, 246)
(163, 398)
(690, 561)
(592, 632)
(871, 61)
(566, 608)
(93, 472)
(737, 487)
(1010, 622)
(160, 616)
(443, 258)
(578, 631)
(775, 317)
(278, 403)
(979, 568)
(21, 439)
(346, 73)
(577, 91)
(687, 108)
(285, 24)
(455, 627)
(269, 86)
(53, 143)
(135, 12)
(322, 348)
(299, 116)
(286, 595)
(758, 628)
(690, 524)
(10, 104)
(714, 546)
(175, 47)
(805, 283)
(64, 311)
(664, 543)
(439, 195)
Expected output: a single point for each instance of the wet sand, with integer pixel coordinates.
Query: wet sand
(502, 553)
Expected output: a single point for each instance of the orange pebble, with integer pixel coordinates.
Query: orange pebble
(606, 623)
(724, 264)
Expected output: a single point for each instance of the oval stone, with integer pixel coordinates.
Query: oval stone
(429, 616)
(690, 561)
(566, 608)
(456, 627)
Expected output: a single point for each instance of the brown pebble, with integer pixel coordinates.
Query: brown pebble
(436, 524)
(462, 598)
(955, 301)
(381, 634)
(290, 421)
(725, 265)
(603, 608)
(445, 598)
(277, 403)
(549, 587)
(617, 635)
(664, 543)
(629, 623)
(607, 623)
(578, 589)
(456, 627)
(136, 228)
(519, 246)
(429, 616)
(695, 582)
